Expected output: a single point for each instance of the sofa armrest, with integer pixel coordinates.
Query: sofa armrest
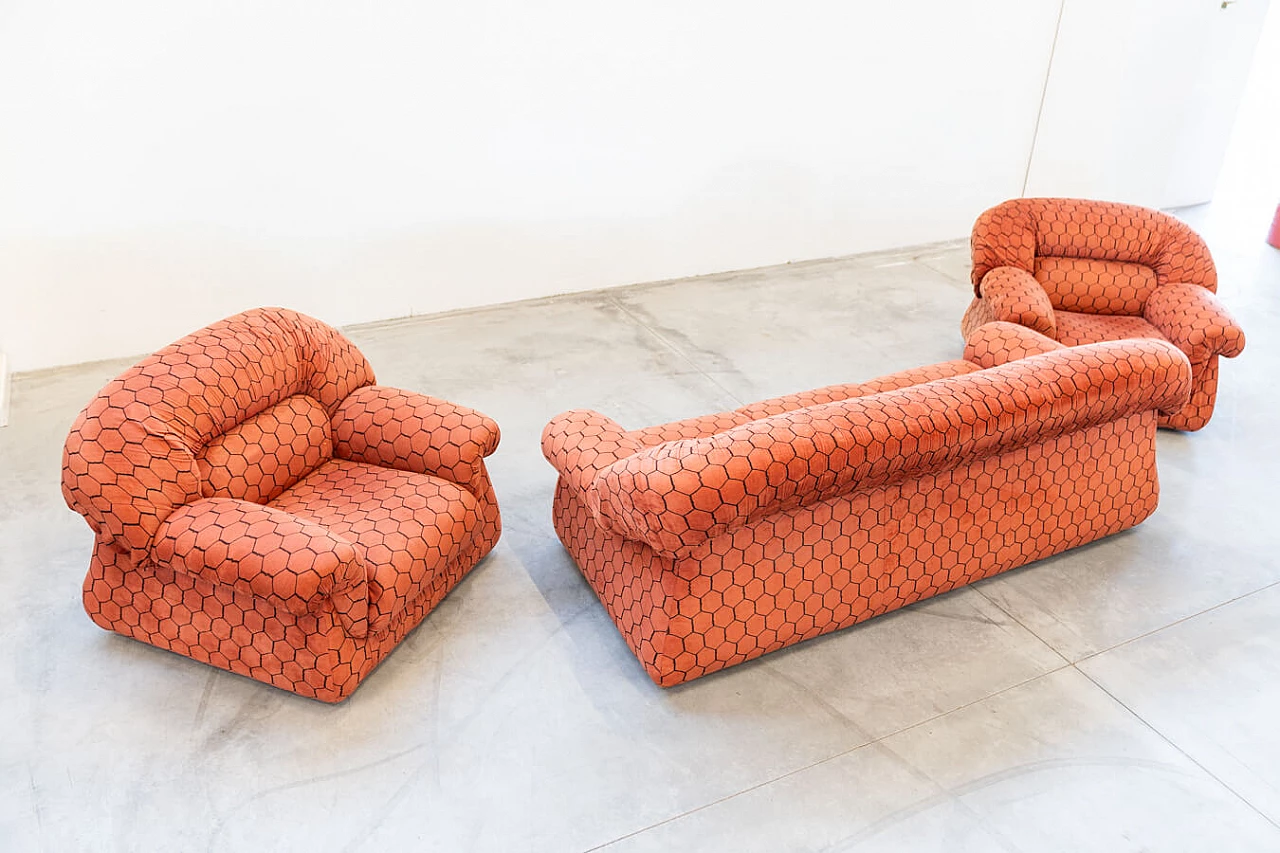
(581, 443)
(413, 432)
(676, 496)
(1195, 321)
(269, 554)
(1014, 296)
(999, 343)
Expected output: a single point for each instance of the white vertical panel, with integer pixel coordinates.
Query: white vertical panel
(4, 390)
(1141, 98)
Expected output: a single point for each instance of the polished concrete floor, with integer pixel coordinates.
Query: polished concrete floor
(1123, 696)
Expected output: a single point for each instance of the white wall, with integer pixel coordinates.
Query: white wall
(1142, 97)
(163, 164)
(4, 390)
(1249, 190)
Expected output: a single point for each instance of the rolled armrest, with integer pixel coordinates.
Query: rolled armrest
(676, 496)
(269, 554)
(1195, 321)
(581, 443)
(413, 432)
(999, 343)
(1014, 296)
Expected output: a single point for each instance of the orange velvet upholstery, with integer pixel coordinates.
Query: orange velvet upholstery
(260, 505)
(715, 540)
(1082, 272)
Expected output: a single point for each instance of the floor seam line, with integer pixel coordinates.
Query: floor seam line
(1066, 664)
(1175, 623)
(873, 742)
(1050, 646)
(924, 262)
(675, 349)
(1133, 639)
(1173, 744)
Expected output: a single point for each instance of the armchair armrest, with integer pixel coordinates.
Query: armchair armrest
(1014, 296)
(999, 343)
(581, 443)
(1195, 321)
(676, 496)
(413, 432)
(266, 553)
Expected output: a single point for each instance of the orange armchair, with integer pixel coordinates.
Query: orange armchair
(718, 539)
(260, 505)
(1082, 272)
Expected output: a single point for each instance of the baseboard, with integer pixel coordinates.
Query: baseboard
(4, 390)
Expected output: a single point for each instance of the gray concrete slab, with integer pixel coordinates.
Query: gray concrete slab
(832, 806)
(1051, 765)
(764, 334)
(1058, 765)
(1211, 685)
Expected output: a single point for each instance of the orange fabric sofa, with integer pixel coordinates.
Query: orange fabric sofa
(259, 504)
(1083, 271)
(715, 540)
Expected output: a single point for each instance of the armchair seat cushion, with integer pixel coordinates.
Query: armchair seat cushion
(404, 525)
(1076, 329)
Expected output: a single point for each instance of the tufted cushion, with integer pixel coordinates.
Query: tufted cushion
(1096, 287)
(260, 458)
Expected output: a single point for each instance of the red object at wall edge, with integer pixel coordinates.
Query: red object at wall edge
(1273, 239)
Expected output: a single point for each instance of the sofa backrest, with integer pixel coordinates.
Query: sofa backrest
(1091, 256)
(677, 495)
(165, 432)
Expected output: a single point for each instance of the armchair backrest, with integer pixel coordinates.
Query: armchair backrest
(160, 435)
(1091, 256)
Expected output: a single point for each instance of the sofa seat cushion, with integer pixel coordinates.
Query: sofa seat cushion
(1075, 329)
(406, 526)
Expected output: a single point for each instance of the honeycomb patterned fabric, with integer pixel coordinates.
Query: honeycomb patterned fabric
(260, 505)
(719, 539)
(1083, 272)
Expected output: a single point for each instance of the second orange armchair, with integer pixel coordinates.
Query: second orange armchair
(1083, 272)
